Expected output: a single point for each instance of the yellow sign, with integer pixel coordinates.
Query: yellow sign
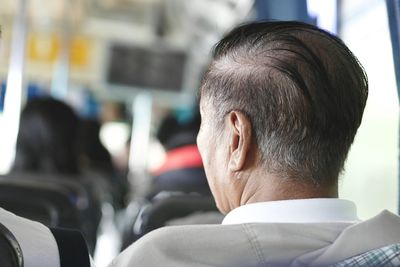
(45, 48)
(79, 53)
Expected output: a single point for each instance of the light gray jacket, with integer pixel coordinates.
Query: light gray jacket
(260, 244)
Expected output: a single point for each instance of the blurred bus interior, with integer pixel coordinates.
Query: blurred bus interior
(130, 63)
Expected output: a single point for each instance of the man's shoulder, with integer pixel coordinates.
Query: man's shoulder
(184, 234)
(185, 245)
(206, 236)
(212, 245)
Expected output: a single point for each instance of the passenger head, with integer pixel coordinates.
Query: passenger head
(47, 138)
(92, 153)
(173, 134)
(281, 100)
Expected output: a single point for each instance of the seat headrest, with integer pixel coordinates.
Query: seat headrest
(72, 248)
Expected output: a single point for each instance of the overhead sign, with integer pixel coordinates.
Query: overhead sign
(46, 48)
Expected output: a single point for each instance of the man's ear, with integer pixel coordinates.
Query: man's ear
(240, 140)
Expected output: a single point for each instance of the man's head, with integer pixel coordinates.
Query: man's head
(283, 100)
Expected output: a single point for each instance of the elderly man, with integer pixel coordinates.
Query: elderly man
(280, 103)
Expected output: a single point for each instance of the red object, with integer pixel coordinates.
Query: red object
(181, 158)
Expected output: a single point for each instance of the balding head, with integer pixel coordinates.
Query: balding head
(302, 90)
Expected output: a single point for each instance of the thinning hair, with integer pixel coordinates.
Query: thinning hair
(302, 89)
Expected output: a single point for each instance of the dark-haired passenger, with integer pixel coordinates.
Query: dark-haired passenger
(47, 138)
(182, 171)
(280, 103)
(47, 148)
(96, 161)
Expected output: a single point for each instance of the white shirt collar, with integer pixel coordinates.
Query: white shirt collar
(316, 210)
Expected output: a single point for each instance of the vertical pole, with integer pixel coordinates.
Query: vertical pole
(142, 113)
(339, 12)
(60, 79)
(13, 95)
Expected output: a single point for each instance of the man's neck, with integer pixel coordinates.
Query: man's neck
(273, 188)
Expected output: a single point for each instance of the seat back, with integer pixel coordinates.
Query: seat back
(385, 256)
(10, 250)
(146, 216)
(72, 248)
(185, 180)
(82, 194)
(53, 201)
(176, 206)
(47, 203)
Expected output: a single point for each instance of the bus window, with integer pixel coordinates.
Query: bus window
(370, 176)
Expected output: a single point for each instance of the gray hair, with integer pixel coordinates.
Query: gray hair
(302, 89)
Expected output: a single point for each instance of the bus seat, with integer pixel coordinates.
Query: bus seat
(10, 250)
(160, 211)
(82, 195)
(71, 247)
(42, 211)
(385, 256)
(52, 202)
(47, 203)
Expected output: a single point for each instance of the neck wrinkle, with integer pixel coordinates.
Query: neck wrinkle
(273, 188)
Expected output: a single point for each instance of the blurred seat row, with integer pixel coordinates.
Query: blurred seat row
(53, 201)
(64, 178)
(59, 202)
